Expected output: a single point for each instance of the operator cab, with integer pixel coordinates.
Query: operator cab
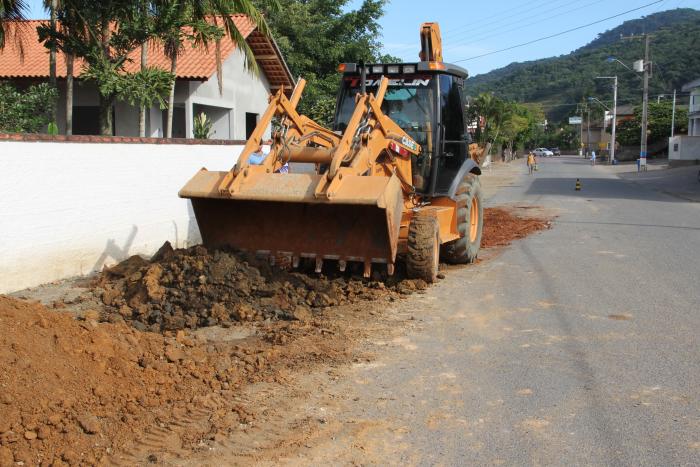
(427, 101)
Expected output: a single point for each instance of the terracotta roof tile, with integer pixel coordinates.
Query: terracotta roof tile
(193, 63)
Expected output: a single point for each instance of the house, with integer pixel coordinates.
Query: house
(694, 111)
(234, 111)
(684, 149)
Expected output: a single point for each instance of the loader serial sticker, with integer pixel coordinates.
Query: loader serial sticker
(399, 82)
(409, 143)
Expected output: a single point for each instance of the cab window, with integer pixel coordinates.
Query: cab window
(453, 141)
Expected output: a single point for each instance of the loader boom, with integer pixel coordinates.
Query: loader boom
(365, 173)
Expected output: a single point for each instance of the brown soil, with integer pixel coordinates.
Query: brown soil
(188, 289)
(76, 392)
(81, 391)
(503, 226)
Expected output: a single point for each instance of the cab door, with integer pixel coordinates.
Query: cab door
(453, 133)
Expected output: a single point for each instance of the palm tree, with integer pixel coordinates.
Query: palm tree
(69, 21)
(198, 21)
(145, 21)
(10, 10)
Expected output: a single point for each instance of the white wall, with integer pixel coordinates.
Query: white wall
(68, 209)
(684, 148)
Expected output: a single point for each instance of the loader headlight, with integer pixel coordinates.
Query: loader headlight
(392, 69)
(378, 69)
(409, 68)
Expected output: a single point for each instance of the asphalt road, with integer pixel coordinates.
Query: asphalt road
(576, 346)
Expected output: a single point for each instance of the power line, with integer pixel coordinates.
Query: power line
(559, 33)
(524, 7)
(481, 37)
(485, 26)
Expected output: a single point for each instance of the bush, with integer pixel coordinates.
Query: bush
(28, 110)
(202, 126)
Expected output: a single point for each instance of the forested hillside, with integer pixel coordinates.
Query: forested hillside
(558, 82)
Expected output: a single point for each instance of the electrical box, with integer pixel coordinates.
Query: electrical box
(638, 66)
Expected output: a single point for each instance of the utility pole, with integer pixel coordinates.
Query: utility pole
(614, 124)
(588, 130)
(646, 68)
(614, 120)
(673, 115)
(645, 103)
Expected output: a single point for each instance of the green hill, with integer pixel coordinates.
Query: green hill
(558, 82)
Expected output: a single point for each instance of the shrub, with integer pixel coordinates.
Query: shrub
(28, 110)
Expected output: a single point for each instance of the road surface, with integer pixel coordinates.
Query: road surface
(576, 346)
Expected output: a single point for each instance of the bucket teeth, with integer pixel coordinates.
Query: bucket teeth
(319, 264)
(295, 261)
(390, 269)
(368, 269)
(342, 264)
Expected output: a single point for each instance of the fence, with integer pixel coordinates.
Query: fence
(70, 206)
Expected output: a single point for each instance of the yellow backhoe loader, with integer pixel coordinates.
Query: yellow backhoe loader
(392, 179)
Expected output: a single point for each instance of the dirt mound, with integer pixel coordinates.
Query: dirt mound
(75, 391)
(193, 288)
(180, 289)
(502, 226)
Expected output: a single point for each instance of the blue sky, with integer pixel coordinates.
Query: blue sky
(472, 28)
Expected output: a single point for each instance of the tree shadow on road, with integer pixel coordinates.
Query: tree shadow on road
(598, 188)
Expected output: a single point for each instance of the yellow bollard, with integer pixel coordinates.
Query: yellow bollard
(578, 185)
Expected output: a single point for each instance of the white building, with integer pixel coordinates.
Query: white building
(683, 149)
(234, 111)
(694, 110)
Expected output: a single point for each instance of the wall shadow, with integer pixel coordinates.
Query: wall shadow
(114, 251)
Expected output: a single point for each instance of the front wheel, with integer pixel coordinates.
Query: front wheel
(423, 258)
(470, 222)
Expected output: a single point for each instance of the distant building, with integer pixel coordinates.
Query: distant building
(686, 149)
(234, 111)
(694, 110)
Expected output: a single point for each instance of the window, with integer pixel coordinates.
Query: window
(86, 120)
(409, 101)
(178, 122)
(454, 144)
(251, 121)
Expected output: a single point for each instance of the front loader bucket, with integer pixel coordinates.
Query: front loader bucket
(279, 215)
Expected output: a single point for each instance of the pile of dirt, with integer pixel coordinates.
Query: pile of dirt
(78, 391)
(502, 226)
(192, 288)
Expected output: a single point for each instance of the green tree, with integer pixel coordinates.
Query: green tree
(102, 34)
(315, 36)
(26, 111)
(70, 20)
(492, 110)
(629, 132)
(203, 22)
(10, 10)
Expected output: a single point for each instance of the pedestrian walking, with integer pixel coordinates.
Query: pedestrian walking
(592, 157)
(531, 161)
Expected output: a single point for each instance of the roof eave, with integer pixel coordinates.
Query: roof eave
(690, 86)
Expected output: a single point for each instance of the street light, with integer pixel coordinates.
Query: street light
(643, 66)
(614, 122)
(613, 59)
(591, 99)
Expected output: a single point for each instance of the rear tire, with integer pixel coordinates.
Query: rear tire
(423, 256)
(470, 222)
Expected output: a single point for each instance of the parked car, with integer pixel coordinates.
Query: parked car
(555, 151)
(542, 152)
